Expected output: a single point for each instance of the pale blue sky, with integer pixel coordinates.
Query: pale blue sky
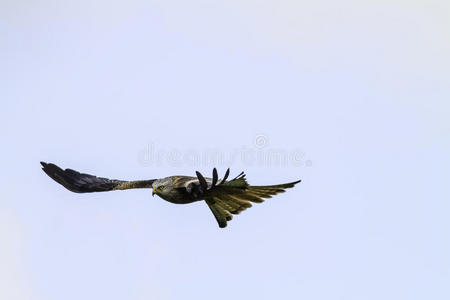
(355, 94)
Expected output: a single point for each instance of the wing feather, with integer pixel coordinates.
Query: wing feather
(221, 214)
(236, 195)
(202, 180)
(85, 183)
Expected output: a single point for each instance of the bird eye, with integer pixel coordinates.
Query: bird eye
(161, 187)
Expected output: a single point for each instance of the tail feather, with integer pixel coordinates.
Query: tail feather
(236, 195)
(238, 204)
(267, 191)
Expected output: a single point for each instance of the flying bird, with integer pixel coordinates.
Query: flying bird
(224, 198)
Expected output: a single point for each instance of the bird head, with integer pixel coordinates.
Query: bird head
(162, 187)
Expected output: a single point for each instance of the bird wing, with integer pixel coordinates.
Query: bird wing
(84, 183)
(225, 198)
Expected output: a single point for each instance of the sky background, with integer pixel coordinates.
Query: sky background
(353, 95)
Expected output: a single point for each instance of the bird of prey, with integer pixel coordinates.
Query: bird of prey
(224, 198)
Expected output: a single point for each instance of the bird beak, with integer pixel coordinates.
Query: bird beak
(153, 192)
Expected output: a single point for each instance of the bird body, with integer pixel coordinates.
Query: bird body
(224, 198)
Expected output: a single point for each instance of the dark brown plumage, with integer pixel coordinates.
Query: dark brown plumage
(224, 198)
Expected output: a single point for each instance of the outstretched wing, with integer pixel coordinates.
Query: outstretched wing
(84, 183)
(225, 198)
